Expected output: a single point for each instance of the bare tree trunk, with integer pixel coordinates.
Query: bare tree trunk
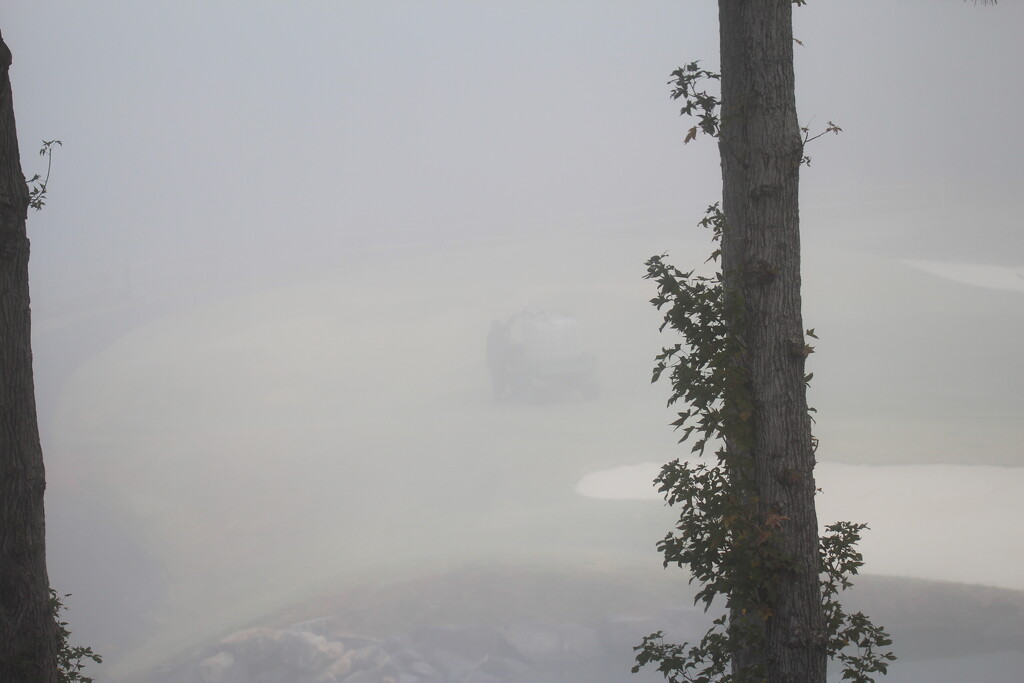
(761, 151)
(28, 638)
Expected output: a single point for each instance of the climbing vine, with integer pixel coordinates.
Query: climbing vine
(728, 545)
(71, 659)
(37, 184)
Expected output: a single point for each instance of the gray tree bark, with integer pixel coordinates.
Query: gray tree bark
(28, 636)
(761, 150)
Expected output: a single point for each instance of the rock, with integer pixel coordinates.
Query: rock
(306, 652)
(479, 676)
(371, 676)
(554, 642)
(341, 667)
(451, 665)
(221, 668)
(289, 656)
(254, 646)
(523, 652)
(423, 671)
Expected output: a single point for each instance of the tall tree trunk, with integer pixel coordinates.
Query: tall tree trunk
(28, 638)
(761, 151)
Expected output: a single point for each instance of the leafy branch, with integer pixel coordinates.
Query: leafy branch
(807, 137)
(840, 561)
(69, 657)
(37, 183)
(690, 82)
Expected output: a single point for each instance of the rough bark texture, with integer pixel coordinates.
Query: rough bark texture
(760, 145)
(27, 630)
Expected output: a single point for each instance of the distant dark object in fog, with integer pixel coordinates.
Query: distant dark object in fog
(538, 357)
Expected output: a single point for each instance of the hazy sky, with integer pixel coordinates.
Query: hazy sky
(277, 232)
(301, 128)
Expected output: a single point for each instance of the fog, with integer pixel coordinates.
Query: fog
(279, 237)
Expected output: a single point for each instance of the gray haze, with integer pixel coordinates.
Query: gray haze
(278, 235)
